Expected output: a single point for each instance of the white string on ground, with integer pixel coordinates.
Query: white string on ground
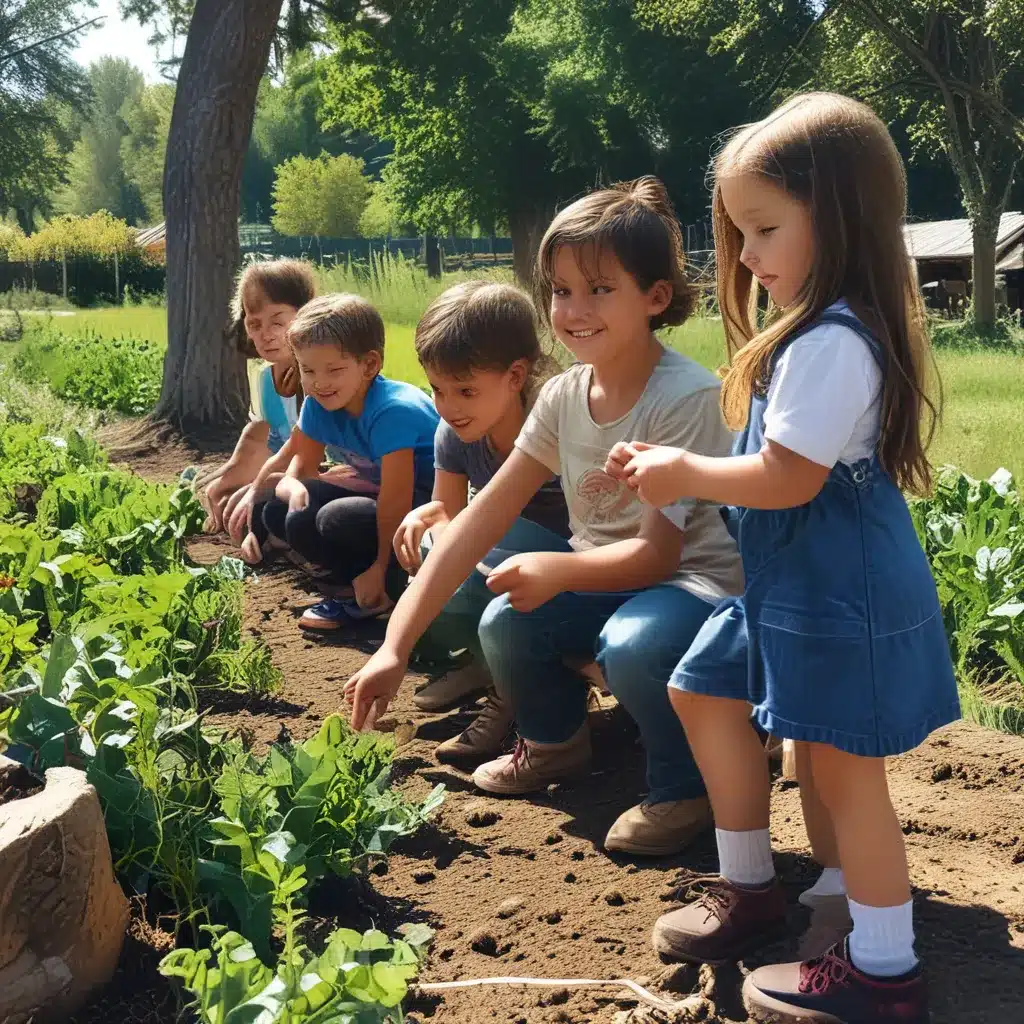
(690, 1003)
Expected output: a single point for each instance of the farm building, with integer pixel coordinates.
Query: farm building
(153, 240)
(943, 251)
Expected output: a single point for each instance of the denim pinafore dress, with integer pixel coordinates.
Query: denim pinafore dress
(838, 637)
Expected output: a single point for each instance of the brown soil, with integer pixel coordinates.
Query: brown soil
(576, 912)
(17, 783)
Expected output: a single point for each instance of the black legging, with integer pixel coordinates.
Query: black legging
(337, 529)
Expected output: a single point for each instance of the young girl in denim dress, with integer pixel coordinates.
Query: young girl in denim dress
(837, 641)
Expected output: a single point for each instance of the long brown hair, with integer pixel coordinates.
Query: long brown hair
(836, 156)
(483, 325)
(636, 221)
(283, 282)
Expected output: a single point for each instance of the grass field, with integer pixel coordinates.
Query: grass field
(982, 428)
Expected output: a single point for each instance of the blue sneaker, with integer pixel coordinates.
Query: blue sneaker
(335, 612)
(326, 615)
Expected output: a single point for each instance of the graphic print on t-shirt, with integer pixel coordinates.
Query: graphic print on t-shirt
(598, 498)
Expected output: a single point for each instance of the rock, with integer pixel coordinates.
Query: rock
(483, 940)
(613, 897)
(510, 908)
(62, 914)
(479, 815)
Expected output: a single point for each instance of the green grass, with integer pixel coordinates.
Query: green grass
(982, 427)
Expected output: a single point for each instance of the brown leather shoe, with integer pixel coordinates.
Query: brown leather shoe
(483, 738)
(723, 924)
(659, 830)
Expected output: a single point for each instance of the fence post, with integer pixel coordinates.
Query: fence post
(432, 256)
(64, 274)
(117, 280)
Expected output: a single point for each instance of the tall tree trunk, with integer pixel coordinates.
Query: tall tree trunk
(527, 227)
(985, 227)
(205, 384)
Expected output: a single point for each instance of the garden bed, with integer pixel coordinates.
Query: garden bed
(522, 887)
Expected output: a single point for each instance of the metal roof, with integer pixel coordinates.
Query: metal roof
(1013, 258)
(151, 236)
(952, 239)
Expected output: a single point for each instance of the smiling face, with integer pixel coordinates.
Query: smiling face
(473, 404)
(777, 231)
(598, 311)
(266, 324)
(334, 378)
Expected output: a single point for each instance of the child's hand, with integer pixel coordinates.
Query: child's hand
(251, 553)
(294, 492)
(410, 533)
(237, 512)
(529, 579)
(656, 472)
(373, 687)
(369, 587)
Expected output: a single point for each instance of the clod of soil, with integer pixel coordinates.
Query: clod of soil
(510, 908)
(484, 941)
(17, 782)
(613, 897)
(942, 772)
(479, 815)
(422, 877)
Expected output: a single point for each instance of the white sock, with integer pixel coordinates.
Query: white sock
(882, 941)
(745, 858)
(830, 883)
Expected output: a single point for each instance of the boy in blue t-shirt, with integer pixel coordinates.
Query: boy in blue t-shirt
(383, 431)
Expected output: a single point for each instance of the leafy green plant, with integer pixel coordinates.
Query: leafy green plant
(973, 534)
(357, 979)
(130, 523)
(120, 375)
(325, 805)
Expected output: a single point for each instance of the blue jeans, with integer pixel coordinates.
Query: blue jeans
(457, 627)
(637, 638)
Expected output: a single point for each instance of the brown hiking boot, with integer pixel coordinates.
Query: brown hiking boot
(723, 924)
(659, 830)
(534, 766)
(483, 738)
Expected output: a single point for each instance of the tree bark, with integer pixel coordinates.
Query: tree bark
(205, 384)
(985, 228)
(527, 228)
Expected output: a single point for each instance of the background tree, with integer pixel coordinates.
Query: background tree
(39, 83)
(144, 146)
(950, 72)
(500, 111)
(97, 179)
(324, 196)
(288, 123)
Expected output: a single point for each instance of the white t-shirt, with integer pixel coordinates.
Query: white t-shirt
(679, 407)
(825, 398)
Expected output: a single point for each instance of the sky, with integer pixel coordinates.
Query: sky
(117, 38)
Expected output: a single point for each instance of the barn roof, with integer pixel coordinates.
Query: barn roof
(151, 236)
(952, 240)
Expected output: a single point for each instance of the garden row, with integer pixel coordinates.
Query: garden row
(112, 649)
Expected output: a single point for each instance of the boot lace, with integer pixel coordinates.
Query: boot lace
(710, 892)
(817, 976)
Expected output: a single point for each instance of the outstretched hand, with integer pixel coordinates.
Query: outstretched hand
(657, 473)
(374, 687)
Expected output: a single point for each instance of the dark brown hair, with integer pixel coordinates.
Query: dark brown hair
(347, 322)
(482, 325)
(836, 156)
(282, 282)
(634, 220)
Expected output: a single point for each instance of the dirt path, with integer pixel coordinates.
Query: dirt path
(583, 914)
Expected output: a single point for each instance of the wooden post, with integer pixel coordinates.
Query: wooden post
(789, 760)
(117, 280)
(64, 274)
(432, 256)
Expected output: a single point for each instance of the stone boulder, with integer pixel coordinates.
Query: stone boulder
(62, 914)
